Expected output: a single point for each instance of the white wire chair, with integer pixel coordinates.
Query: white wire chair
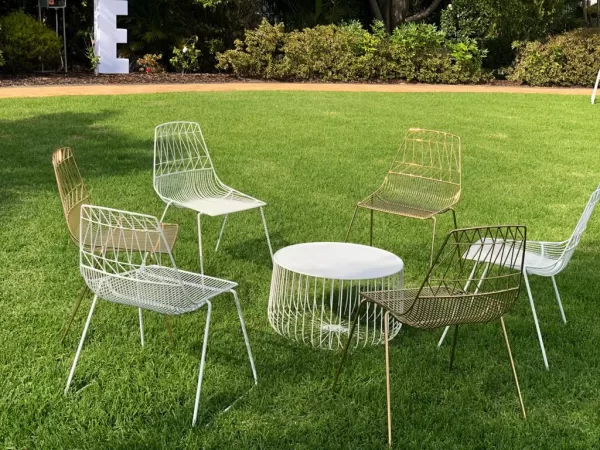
(424, 180)
(120, 273)
(184, 176)
(548, 259)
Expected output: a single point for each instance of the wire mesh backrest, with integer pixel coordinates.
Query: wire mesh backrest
(71, 188)
(427, 168)
(476, 277)
(180, 147)
(116, 242)
(581, 225)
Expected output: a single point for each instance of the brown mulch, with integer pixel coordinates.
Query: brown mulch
(84, 78)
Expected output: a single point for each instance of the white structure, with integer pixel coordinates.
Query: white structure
(595, 88)
(548, 259)
(136, 268)
(315, 292)
(107, 35)
(184, 176)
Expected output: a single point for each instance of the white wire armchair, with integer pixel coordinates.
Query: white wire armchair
(74, 193)
(423, 181)
(136, 268)
(548, 259)
(184, 176)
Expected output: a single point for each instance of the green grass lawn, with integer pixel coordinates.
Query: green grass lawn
(527, 159)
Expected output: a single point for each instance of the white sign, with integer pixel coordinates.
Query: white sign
(107, 35)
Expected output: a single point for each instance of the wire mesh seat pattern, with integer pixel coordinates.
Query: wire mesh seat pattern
(548, 259)
(424, 179)
(74, 193)
(475, 278)
(184, 176)
(119, 273)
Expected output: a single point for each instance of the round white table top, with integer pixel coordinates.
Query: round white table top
(338, 261)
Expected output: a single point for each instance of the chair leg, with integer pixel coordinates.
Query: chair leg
(347, 346)
(562, 311)
(535, 319)
(453, 346)
(165, 212)
(432, 241)
(386, 330)
(141, 326)
(454, 218)
(221, 232)
(85, 330)
(512, 365)
(246, 340)
(262, 214)
(84, 291)
(351, 223)
(202, 361)
(200, 244)
(371, 233)
(441, 341)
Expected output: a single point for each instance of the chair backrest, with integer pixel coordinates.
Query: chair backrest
(426, 171)
(181, 159)
(476, 277)
(120, 252)
(580, 227)
(71, 188)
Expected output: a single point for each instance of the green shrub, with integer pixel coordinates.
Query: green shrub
(569, 59)
(187, 57)
(27, 43)
(350, 53)
(149, 64)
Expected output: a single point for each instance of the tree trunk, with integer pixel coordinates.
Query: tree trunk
(399, 11)
(375, 10)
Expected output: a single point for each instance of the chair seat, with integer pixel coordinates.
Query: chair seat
(534, 261)
(219, 206)
(377, 203)
(435, 307)
(158, 288)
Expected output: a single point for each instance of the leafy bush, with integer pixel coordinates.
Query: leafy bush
(496, 24)
(348, 53)
(27, 43)
(186, 58)
(568, 59)
(149, 64)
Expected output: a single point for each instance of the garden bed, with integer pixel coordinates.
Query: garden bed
(79, 78)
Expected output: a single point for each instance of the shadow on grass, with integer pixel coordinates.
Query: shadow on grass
(99, 150)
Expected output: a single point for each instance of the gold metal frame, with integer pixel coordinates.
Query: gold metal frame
(424, 180)
(74, 193)
(475, 278)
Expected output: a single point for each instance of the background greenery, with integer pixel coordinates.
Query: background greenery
(526, 159)
(159, 26)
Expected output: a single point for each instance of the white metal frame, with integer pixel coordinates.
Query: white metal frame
(548, 259)
(136, 268)
(595, 88)
(184, 176)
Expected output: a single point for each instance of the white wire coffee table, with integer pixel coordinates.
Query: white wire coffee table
(315, 291)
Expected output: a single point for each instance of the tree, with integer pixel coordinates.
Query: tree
(400, 11)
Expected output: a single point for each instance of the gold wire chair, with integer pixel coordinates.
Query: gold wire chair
(464, 285)
(423, 181)
(73, 193)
